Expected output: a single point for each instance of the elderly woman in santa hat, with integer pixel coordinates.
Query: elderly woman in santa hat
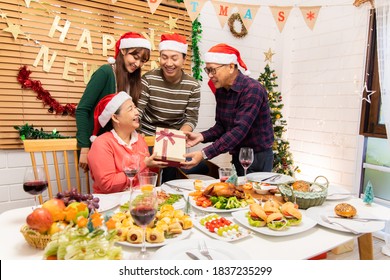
(116, 120)
(123, 73)
(242, 115)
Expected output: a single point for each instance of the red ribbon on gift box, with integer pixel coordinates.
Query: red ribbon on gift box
(162, 135)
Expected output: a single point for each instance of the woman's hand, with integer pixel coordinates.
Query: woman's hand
(83, 160)
(150, 162)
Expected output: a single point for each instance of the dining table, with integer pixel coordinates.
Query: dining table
(310, 243)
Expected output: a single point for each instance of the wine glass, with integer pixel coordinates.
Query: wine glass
(35, 182)
(246, 158)
(130, 165)
(143, 206)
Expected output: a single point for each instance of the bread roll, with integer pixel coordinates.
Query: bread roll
(259, 211)
(301, 186)
(345, 210)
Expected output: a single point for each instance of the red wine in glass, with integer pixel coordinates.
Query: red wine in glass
(35, 187)
(143, 215)
(35, 182)
(130, 172)
(246, 158)
(130, 165)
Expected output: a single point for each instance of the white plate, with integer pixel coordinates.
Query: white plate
(259, 176)
(362, 212)
(243, 232)
(219, 250)
(177, 205)
(337, 189)
(185, 183)
(306, 224)
(108, 201)
(181, 236)
(212, 209)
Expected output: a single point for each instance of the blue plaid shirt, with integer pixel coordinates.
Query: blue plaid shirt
(242, 119)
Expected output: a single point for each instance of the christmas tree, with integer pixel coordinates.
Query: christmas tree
(283, 159)
(368, 194)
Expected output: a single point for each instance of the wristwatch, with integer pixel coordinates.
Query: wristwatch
(204, 154)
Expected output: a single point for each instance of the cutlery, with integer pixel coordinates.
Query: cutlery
(275, 178)
(358, 219)
(202, 247)
(269, 178)
(187, 207)
(326, 220)
(192, 256)
(177, 188)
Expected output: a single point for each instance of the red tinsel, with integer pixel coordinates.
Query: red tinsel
(44, 95)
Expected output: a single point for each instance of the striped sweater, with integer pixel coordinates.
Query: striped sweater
(167, 105)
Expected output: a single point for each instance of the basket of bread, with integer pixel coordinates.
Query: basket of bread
(306, 194)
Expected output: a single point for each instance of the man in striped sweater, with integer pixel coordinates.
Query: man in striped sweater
(170, 98)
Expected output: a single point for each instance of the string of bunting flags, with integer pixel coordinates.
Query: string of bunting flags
(247, 12)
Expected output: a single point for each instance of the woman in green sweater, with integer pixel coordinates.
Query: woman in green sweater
(123, 73)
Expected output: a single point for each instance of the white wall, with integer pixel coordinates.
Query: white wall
(320, 75)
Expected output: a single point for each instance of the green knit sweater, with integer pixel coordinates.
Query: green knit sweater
(101, 84)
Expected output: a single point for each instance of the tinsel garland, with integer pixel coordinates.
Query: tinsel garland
(232, 19)
(196, 36)
(44, 95)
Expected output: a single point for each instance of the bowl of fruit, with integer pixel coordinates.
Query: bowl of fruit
(55, 214)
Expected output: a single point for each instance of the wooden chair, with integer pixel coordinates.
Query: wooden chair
(57, 147)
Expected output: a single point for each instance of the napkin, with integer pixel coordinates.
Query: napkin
(233, 178)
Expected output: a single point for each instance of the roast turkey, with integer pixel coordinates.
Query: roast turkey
(224, 189)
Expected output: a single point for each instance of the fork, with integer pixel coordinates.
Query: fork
(275, 178)
(326, 220)
(202, 247)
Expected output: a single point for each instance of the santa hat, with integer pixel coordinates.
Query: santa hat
(104, 110)
(130, 40)
(173, 42)
(225, 54)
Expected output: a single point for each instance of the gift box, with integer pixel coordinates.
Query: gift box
(170, 146)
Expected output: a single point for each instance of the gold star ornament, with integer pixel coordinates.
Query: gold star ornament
(171, 22)
(14, 29)
(268, 55)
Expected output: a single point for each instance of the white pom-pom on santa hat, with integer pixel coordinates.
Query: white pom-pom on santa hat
(111, 60)
(225, 54)
(104, 110)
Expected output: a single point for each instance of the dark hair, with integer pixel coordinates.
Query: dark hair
(124, 79)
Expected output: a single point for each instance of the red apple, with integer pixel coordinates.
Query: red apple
(56, 208)
(40, 220)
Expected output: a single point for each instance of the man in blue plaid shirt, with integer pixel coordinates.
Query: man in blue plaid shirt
(242, 117)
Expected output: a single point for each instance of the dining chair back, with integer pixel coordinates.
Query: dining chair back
(58, 148)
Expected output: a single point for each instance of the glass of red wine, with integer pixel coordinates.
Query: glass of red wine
(130, 165)
(246, 158)
(35, 182)
(143, 206)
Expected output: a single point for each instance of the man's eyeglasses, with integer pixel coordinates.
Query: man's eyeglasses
(212, 71)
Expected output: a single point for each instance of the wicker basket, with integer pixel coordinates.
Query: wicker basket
(306, 199)
(34, 238)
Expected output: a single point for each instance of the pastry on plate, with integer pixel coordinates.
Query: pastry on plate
(345, 210)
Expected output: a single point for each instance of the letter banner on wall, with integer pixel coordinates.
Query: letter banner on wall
(153, 5)
(194, 7)
(247, 13)
(280, 15)
(310, 15)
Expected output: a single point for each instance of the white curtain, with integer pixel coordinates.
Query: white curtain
(383, 45)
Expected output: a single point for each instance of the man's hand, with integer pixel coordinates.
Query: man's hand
(196, 157)
(193, 138)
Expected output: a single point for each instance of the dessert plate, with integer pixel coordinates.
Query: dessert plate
(362, 212)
